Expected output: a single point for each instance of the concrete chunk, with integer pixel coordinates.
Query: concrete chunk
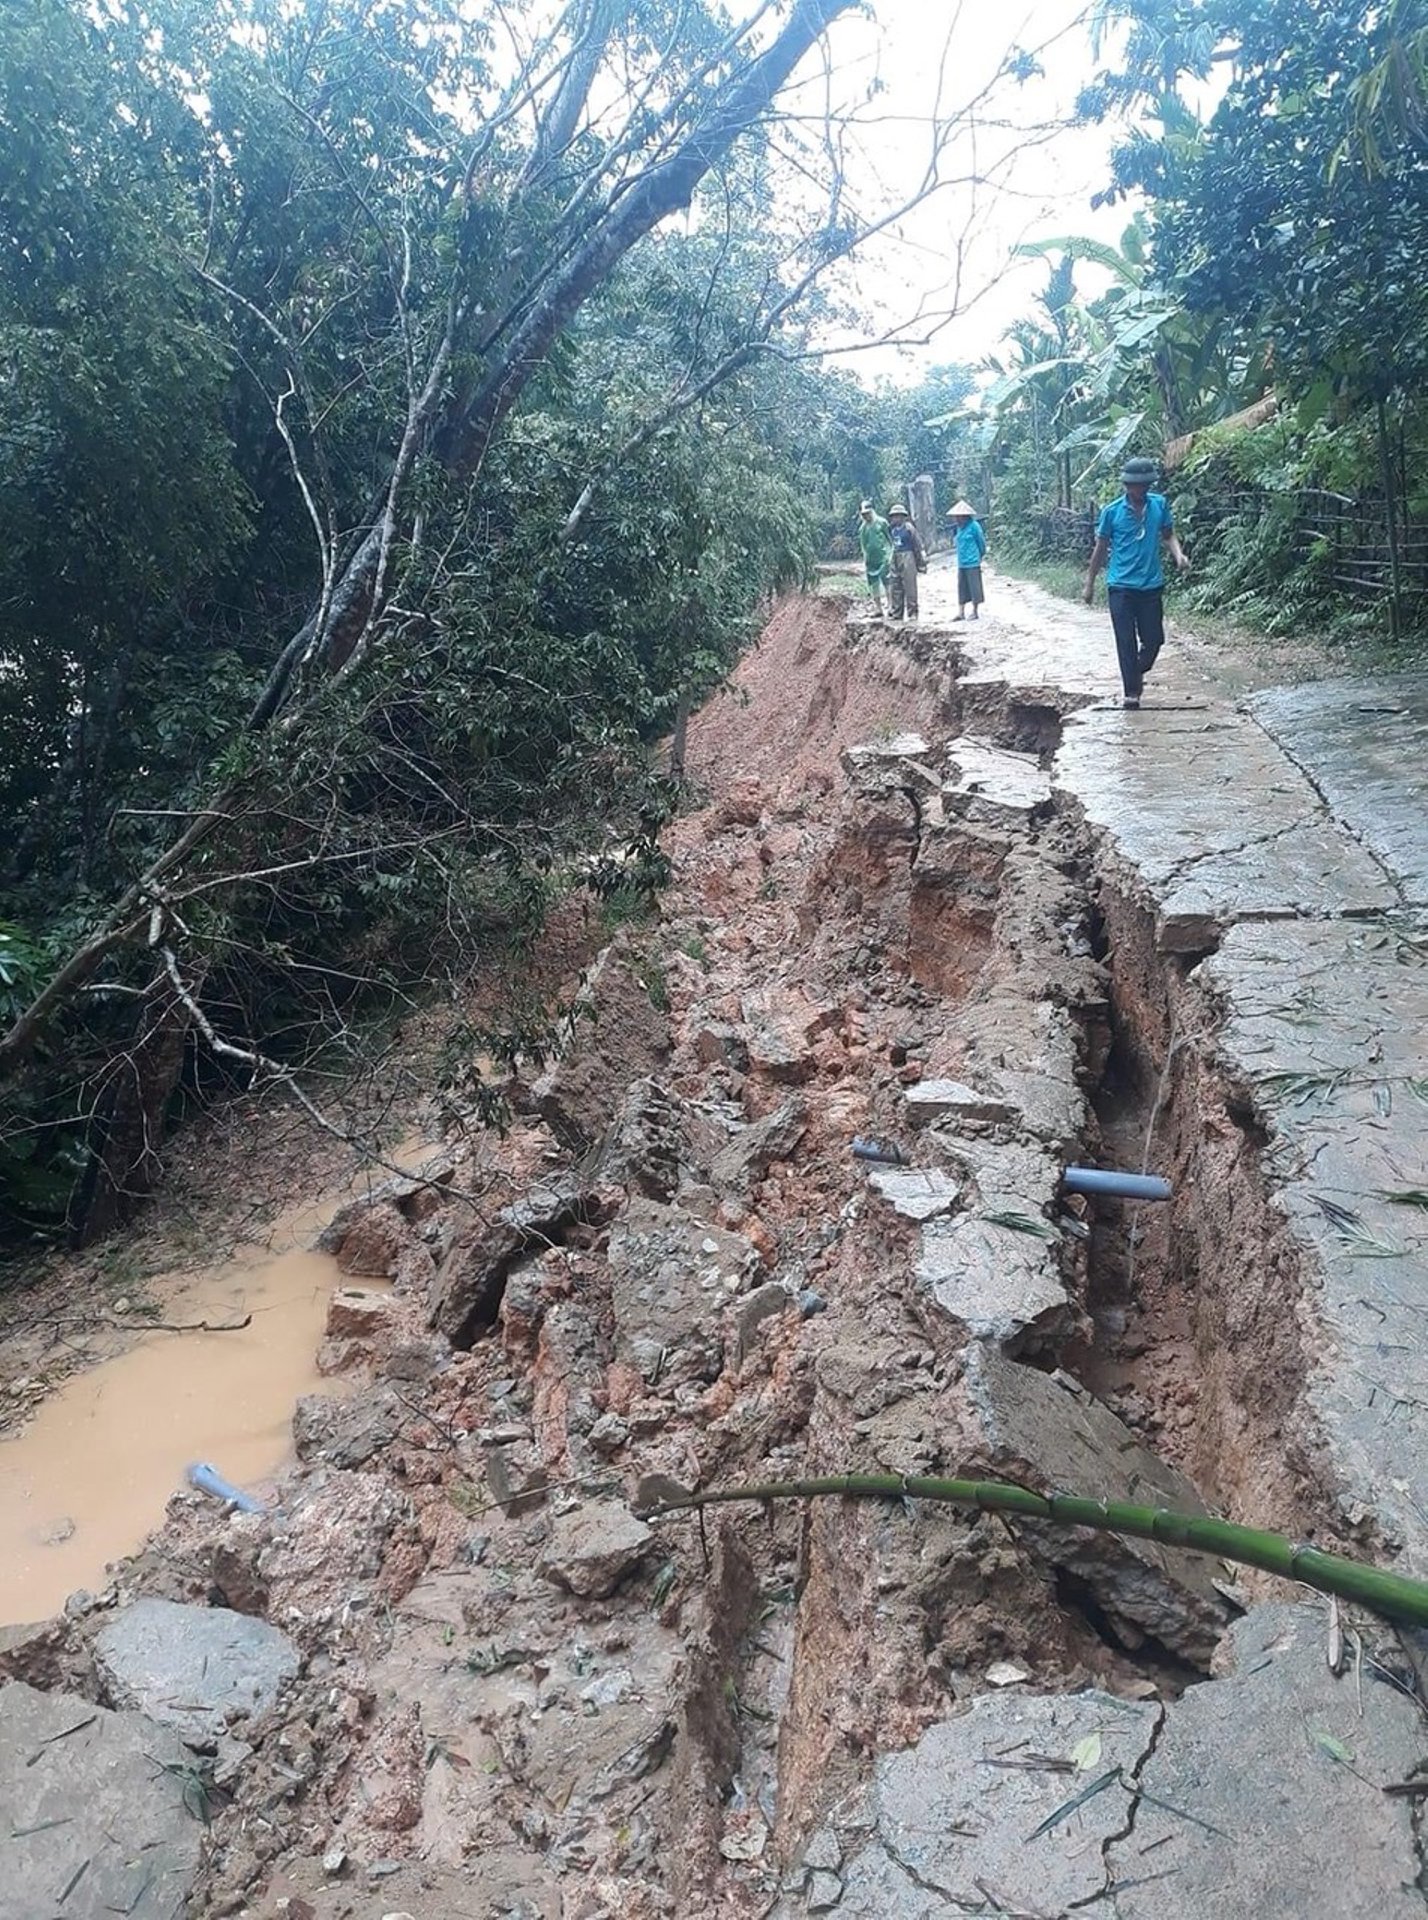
(1041, 1433)
(999, 1281)
(917, 1193)
(191, 1667)
(94, 1825)
(1262, 1795)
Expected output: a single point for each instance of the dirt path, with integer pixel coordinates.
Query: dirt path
(944, 896)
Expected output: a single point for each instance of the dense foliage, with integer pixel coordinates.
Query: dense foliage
(315, 326)
(1280, 253)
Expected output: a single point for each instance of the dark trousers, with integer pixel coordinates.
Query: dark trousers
(1138, 618)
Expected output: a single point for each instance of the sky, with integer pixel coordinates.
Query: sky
(1039, 183)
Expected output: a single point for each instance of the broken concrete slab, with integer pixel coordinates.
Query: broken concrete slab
(1043, 1432)
(1322, 1035)
(1204, 868)
(992, 786)
(191, 1668)
(947, 1828)
(883, 753)
(1001, 1281)
(594, 1548)
(620, 1036)
(917, 1193)
(931, 1101)
(96, 1823)
(671, 1277)
(997, 1266)
(1263, 1794)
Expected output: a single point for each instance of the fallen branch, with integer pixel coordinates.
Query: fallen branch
(137, 1323)
(1394, 1595)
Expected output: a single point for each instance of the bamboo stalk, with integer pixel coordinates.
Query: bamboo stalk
(1394, 1595)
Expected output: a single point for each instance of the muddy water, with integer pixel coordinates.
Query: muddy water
(87, 1480)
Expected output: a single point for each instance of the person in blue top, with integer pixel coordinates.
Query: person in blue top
(1129, 537)
(971, 543)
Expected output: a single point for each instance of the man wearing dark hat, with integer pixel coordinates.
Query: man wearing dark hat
(1129, 536)
(909, 558)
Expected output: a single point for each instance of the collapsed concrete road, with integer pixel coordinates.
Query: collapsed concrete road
(944, 897)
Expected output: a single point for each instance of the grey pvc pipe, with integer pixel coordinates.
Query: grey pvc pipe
(1122, 1186)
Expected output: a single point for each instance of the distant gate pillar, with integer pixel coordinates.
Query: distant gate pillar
(922, 504)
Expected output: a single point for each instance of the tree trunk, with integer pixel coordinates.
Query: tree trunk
(1390, 507)
(128, 1123)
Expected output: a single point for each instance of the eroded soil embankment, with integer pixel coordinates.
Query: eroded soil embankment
(517, 1698)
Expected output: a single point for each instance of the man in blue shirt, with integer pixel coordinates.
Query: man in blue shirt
(1129, 535)
(971, 542)
(908, 560)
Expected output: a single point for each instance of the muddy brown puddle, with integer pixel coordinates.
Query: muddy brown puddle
(87, 1480)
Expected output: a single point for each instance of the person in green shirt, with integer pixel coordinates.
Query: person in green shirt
(876, 542)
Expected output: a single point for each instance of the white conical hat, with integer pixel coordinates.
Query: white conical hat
(961, 507)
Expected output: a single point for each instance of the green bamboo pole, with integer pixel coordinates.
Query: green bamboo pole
(1394, 1595)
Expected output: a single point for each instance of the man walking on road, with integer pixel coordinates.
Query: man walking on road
(971, 543)
(1130, 534)
(875, 540)
(909, 558)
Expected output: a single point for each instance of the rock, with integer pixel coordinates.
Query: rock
(469, 1284)
(811, 1302)
(191, 1667)
(593, 1548)
(517, 1476)
(824, 1852)
(233, 1569)
(94, 1825)
(932, 1100)
(347, 1433)
(752, 1312)
(753, 1149)
(359, 1313)
(671, 1277)
(333, 1861)
(608, 1435)
(47, 1654)
(825, 1890)
(917, 1193)
(1006, 1673)
(945, 1823)
(646, 1143)
(1256, 1799)
(367, 1237)
(624, 1035)
(1055, 1440)
(783, 1025)
(719, 1043)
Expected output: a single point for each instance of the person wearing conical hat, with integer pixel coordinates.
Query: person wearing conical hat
(909, 559)
(875, 540)
(1130, 536)
(971, 543)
